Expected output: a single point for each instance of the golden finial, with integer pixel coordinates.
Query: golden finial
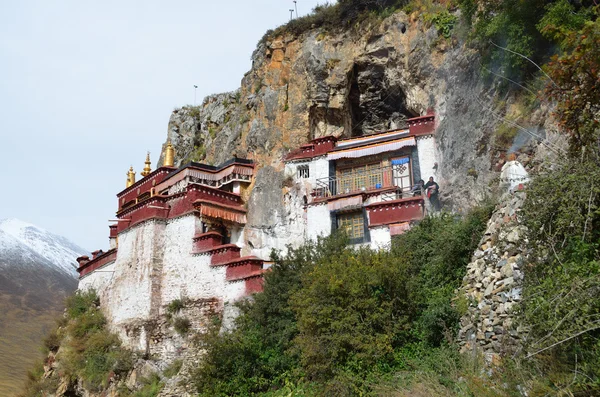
(130, 177)
(147, 168)
(169, 155)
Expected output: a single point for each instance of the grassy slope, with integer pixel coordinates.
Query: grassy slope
(21, 333)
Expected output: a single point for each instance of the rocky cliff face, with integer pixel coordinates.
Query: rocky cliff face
(353, 83)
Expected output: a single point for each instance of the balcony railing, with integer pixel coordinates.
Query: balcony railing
(364, 180)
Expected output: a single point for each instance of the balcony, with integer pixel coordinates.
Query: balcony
(366, 179)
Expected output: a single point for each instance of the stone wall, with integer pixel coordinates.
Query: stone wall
(493, 284)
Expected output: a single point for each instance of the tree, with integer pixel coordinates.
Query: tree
(576, 89)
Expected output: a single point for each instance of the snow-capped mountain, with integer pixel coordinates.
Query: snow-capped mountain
(38, 246)
(37, 273)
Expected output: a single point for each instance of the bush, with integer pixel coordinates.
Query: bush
(175, 306)
(89, 351)
(444, 22)
(182, 325)
(80, 302)
(530, 28)
(52, 341)
(257, 355)
(152, 386)
(562, 282)
(340, 316)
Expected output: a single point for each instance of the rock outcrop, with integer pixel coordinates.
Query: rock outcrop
(355, 82)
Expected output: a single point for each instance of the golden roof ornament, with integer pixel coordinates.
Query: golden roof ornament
(169, 155)
(130, 177)
(147, 168)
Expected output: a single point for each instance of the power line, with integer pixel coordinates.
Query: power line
(542, 140)
(523, 56)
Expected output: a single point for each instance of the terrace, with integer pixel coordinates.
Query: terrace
(365, 179)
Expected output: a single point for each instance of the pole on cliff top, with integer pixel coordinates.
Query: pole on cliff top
(296, 7)
(291, 14)
(195, 88)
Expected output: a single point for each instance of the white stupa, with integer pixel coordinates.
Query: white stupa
(513, 174)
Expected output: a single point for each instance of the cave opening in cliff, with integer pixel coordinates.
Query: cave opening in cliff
(375, 102)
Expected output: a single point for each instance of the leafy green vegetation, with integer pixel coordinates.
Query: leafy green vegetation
(182, 325)
(88, 351)
(193, 111)
(175, 306)
(334, 319)
(575, 87)
(562, 283)
(151, 386)
(444, 22)
(505, 31)
(504, 136)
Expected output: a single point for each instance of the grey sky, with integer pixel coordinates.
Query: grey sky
(87, 87)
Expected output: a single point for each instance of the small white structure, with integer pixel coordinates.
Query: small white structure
(512, 175)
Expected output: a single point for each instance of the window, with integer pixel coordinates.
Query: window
(374, 175)
(356, 178)
(353, 224)
(303, 171)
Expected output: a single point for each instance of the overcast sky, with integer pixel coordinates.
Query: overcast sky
(87, 87)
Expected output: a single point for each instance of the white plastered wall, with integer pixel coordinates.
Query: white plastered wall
(155, 266)
(427, 156)
(380, 237)
(318, 221)
(190, 276)
(318, 168)
(138, 264)
(98, 279)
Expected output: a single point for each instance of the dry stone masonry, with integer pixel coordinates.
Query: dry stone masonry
(493, 284)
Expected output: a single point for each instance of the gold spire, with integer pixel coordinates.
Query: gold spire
(147, 168)
(169, 155)
(130, 177)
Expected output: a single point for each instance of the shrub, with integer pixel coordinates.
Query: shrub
(151, 387)
(87, 323)
(340, 316)
(182, 325)
(576, 90)
(89, 351)
(175, 306)
(257, 355)
(444, 22)
(505, 135)
(193, 111)
(52, 341)
(562, 212)
(530, 28)
(79, 303)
